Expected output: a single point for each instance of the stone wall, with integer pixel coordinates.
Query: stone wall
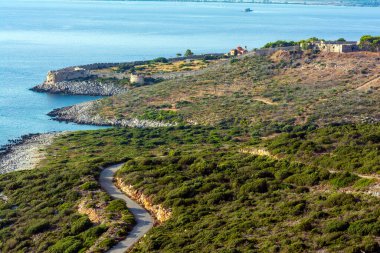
(336, 47)
(137, 79)
(350, 48)
(66, 75)
(85, 71)
(269, 51)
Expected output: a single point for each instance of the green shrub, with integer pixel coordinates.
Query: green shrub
(95, 232)
(217, 197)
(182, 192)
(37, 226)
(363, 183)
(297, 247)
(160, 59)
(116, 206)
(66, 245)
(256, 186)
(302, 189)
(303, 179)
(80, 225)
(340, 199)
(161, 115)
(90, 186)
(90, 235)
(128, 218)
(280, 43)
(344, 179)
(368, 245)
(107, 243)
(336, 226)
(365, 227)
(305, 225)
(234, 60)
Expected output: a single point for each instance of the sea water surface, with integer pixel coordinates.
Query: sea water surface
(37, 36)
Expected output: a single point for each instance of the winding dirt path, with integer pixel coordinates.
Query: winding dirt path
(375, 83)
(144, 221)
(265, 100)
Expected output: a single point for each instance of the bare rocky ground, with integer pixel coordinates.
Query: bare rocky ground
(26, 154)
(90, 87)
(85, 113)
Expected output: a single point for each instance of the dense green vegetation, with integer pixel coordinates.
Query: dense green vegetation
(280, 43)
(41, 211)
(370, 42)
(284, 43)
(354, 148)
(221, 199)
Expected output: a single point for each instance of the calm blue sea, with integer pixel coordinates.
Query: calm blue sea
(36, 36)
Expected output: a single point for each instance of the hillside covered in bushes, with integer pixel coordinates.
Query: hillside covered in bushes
(222, 199)
(258, 154)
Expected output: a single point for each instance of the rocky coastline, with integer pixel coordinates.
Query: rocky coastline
(85, 113)
(24, 153)
(85, 87)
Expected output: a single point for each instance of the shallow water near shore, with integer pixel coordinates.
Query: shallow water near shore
(37, 36)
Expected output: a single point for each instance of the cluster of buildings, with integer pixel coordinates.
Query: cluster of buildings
(319, 45)
(238, 51)
(332, 46)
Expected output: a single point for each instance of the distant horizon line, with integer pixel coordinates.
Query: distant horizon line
(375, 3)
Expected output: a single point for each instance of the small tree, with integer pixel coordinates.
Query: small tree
(341, 39)
(369, 42)
(188, 53)
(178, 54)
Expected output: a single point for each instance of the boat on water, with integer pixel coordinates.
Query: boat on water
(248, 10)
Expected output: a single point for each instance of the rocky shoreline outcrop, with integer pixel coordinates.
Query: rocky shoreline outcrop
(25, 153)
(86, 113)
(85, 87)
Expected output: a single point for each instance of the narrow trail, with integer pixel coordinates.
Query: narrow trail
(265, 100)
(375, 82)
(144, 221)
(374, 177)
